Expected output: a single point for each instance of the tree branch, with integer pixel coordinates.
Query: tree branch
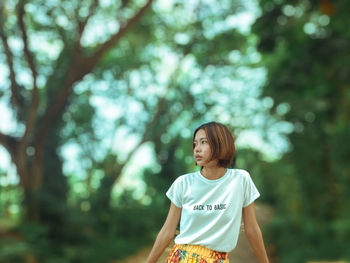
(15, 95)
(32, 112)
(115, 38)
(57, 105)
(78, 69)
(82, 24)
(27, 53)
(9, 143)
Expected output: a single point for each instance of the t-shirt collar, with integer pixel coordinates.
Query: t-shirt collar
(212, 181)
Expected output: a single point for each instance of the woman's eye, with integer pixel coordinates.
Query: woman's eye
(203, 142)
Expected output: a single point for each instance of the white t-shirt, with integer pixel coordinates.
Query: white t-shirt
(212, 209)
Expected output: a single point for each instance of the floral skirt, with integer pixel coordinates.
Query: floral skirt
(196, 254)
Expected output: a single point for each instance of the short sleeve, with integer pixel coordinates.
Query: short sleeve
(250, 191)
(175, 192)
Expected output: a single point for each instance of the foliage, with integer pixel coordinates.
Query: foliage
(305, 49)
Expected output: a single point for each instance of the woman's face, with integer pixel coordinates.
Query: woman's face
(201, 148)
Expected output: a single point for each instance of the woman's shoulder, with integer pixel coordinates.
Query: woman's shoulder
(186, 178)
(240, 173)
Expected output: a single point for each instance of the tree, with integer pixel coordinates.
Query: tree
(40, 108)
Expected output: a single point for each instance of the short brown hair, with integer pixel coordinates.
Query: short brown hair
(221, 142)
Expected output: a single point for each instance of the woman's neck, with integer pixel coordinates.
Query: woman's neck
(213, 173)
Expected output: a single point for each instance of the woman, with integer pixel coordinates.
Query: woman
(211, 204)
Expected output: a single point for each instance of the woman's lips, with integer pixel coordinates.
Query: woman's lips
(198, 157)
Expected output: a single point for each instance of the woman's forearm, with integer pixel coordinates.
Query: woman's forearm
(166, 234)
(162, 241)
(257, 243)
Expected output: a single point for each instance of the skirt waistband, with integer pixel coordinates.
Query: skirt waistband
(203, 251)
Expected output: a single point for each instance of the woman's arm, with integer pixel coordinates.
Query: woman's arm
(166, 234)
(253, 233)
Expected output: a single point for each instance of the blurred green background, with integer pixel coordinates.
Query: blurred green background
(99, 99)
